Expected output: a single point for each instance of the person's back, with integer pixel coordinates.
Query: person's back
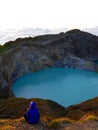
(32, 116)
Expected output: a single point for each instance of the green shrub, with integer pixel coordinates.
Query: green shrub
(53, 125)
(4, 48)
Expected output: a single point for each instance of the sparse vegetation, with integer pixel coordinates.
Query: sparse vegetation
(10, 44)
(91, 117)
(78, 111)
(13, 109)
(4, 48)
(52, 114)
(55, 123)
(88, 117)
(16, 108)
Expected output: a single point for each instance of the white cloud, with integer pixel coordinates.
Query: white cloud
(52, 14)
(12, 34)
(92, 30)
(48, 13)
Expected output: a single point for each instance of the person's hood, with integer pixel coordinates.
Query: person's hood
(32, 104)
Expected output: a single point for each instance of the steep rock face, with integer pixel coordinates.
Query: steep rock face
(84, 45)
(74, 49)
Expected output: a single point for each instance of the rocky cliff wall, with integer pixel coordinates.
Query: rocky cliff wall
(74, 49)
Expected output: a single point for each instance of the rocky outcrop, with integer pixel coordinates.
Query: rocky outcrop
(82, 110)
(11, 108)
(82, 116)
(74, 49)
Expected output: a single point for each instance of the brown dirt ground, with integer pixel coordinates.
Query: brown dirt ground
(20, 124)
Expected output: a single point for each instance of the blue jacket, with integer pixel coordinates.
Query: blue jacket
(32, 114)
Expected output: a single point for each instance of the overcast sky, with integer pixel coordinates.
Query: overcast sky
(51, 14)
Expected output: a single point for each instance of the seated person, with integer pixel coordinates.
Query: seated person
(32, 115)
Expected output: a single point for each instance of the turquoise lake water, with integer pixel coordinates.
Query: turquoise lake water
(65, 86)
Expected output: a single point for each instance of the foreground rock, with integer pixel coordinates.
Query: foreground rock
(20, 124)
(53, 116)
(16, 107)
(74, 49)
(83, 109)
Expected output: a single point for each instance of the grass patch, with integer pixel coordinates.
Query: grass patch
(4, 48)
(56, 123)
(10, 44)
(6, 124)
(91, 117)
(7, 127)
(88, 117)
(17, 107)
(53, 125)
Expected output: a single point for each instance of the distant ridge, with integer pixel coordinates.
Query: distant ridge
(13, 34)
